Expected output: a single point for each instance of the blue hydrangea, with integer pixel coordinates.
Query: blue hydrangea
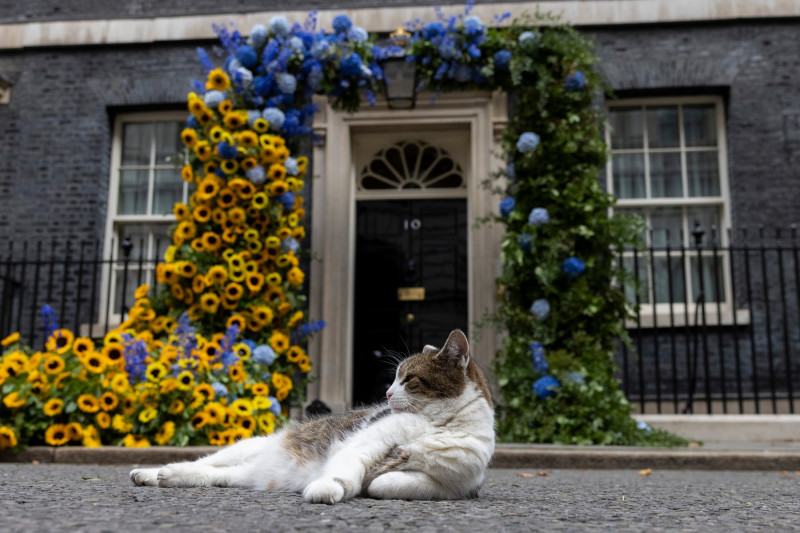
(252, 116)
(247, 56)
(538, 216)
(256, 174)
(275, 405)
(511, 171)
(315, 78)
(474, 51)
(546, 387)
(501, 59)
(537, 355)
(287, 84)
(286, 200)
(275, 117)
(191, 122)
(463, 74)
(448, 50)
(643, 426)
(320, 50)
(575, 81)
(540, 308)
(575, 377)
(433, 30)
(258, 35)
(227, 150)
(473, 25)
(507, 205)
(527, 142)
(357, 34)
(280, 26)
(527, 38)
(290, 244)
(341, 23)
(213, 98)
(219, 389)
(291, 167)
(232, 65)
(243, 76)
(573, 267)
(525, 242)
(263, 354)
(296, 45)
(351, 65)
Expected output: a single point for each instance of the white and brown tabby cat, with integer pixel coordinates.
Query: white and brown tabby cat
(433, 440)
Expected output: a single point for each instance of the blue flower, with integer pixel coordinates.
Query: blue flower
(258, 35)
(219, 389)
(463, 74)
(243, 77)
(280, 26)
(507, 205)
(231, 65)
(573, 267)
(537, 354)
(474, 51)
(448, 50)
(291, 167)
(433, 30)
(538, 216)
(315, 78)
(287, 200)
(264, 354)
(351, 65)
(525, 242)
(341, 23)
(527, 142)
(545, 387)
(230, 337)
(511, 171)
(357, 34)
(540, 308)
(287, 83)
(256, 174)
(501, 59)
(275, 117)
(575, 82)
(320, 49)
(296, 45)
(575, 377)
(227, 151)
(527, 38)
(275, 405)
(191, 122)
(290, 244)
(213, 98)
(643, 426)
(50, 322)
(202, 55)
(247, 56)
(473, 25)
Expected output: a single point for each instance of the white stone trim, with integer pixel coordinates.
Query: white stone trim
(578, 12)
(333, 226)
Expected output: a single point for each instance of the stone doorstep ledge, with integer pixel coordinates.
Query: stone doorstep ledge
(506, 456)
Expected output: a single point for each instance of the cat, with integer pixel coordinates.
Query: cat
(431, 440)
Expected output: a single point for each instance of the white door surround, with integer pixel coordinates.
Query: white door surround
(481, 117)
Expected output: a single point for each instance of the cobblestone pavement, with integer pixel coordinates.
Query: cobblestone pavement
(59, 497)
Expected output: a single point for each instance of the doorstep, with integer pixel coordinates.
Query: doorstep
(533, 456)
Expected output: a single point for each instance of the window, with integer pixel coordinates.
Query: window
(668, 165)
(146, 182)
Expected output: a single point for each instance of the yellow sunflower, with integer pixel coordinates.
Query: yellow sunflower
(189, 137)
(88, 403)
(109, 400)
(186, 380)
(176, 407)
(8, 438)
(148, 414)
(12, 400)
(225, 107)
(226, 198)
(11, 339)
(91, 438)
(95, 363)
(263, 314)
(54, 364)
(295, 276)
(53, 406)
(260, 389)
(266, 423)
(218, 80)
(242, 407)
(121, 425)
(208, 188)
(135, 441)
(201, 213)
(103, 420)
(187, 174)
(165, 433)
(60, 341)
(156, 371)
(279, 342)
(56, 435)
(209, 302)
(114, 353)
(199, 419)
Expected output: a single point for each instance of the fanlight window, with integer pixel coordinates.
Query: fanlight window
(411, 165)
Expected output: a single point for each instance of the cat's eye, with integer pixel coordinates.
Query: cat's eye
(406, 379)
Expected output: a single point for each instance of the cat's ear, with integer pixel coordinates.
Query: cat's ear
(430, 350)
(456, 349)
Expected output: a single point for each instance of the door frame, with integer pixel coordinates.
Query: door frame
(332, 282)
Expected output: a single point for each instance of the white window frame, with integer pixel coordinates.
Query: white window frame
(660, 314)
(112, 240)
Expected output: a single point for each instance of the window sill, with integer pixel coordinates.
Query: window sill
(663, 320)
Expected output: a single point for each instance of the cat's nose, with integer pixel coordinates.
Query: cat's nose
(388, 395)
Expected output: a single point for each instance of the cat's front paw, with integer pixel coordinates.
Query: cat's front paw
(145, 476)
(324, 491)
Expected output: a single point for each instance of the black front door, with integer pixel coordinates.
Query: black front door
(411, 284)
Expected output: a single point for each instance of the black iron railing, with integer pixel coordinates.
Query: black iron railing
(716, 328)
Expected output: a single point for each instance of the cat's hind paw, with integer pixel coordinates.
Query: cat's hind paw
(145, 476)
(324, 491)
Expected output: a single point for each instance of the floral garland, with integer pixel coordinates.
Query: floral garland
(218, 348)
